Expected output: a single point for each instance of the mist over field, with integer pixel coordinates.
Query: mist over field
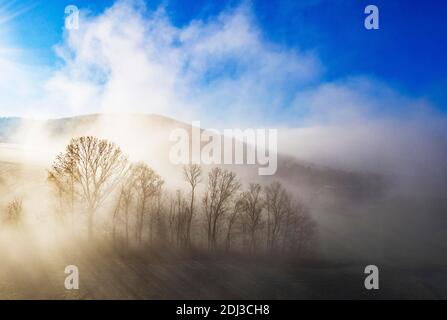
(357, 216)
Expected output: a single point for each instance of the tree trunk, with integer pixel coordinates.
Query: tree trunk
(140, 224)
(127, 225)
(90, 214)
(188, 227)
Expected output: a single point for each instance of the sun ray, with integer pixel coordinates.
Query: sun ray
(10, 10)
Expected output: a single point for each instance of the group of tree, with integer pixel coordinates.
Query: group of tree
(223, 216)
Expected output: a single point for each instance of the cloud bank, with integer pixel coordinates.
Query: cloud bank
(130, 59)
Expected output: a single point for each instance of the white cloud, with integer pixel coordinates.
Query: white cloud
(131, 60)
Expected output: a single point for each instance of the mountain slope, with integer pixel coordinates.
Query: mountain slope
(147, 137)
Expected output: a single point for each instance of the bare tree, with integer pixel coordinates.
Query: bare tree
(222, 186)
(181, 218)
(116, 215)
(252, 205)
(95, 166)
(277, 205)
(193, 175)
(61, 177)
(147, 184)
(232, 218)
(14, 212)
(178, 212)
(124, 202)
(171, 220)
(157, 223)
(300, 229)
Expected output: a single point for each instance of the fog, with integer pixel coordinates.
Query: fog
(369, 163)
(395, 227)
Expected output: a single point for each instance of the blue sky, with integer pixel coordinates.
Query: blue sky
(407, 54)
(408, 51)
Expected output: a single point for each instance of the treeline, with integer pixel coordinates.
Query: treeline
(224, 216)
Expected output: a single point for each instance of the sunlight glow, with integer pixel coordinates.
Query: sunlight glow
(9, 10)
